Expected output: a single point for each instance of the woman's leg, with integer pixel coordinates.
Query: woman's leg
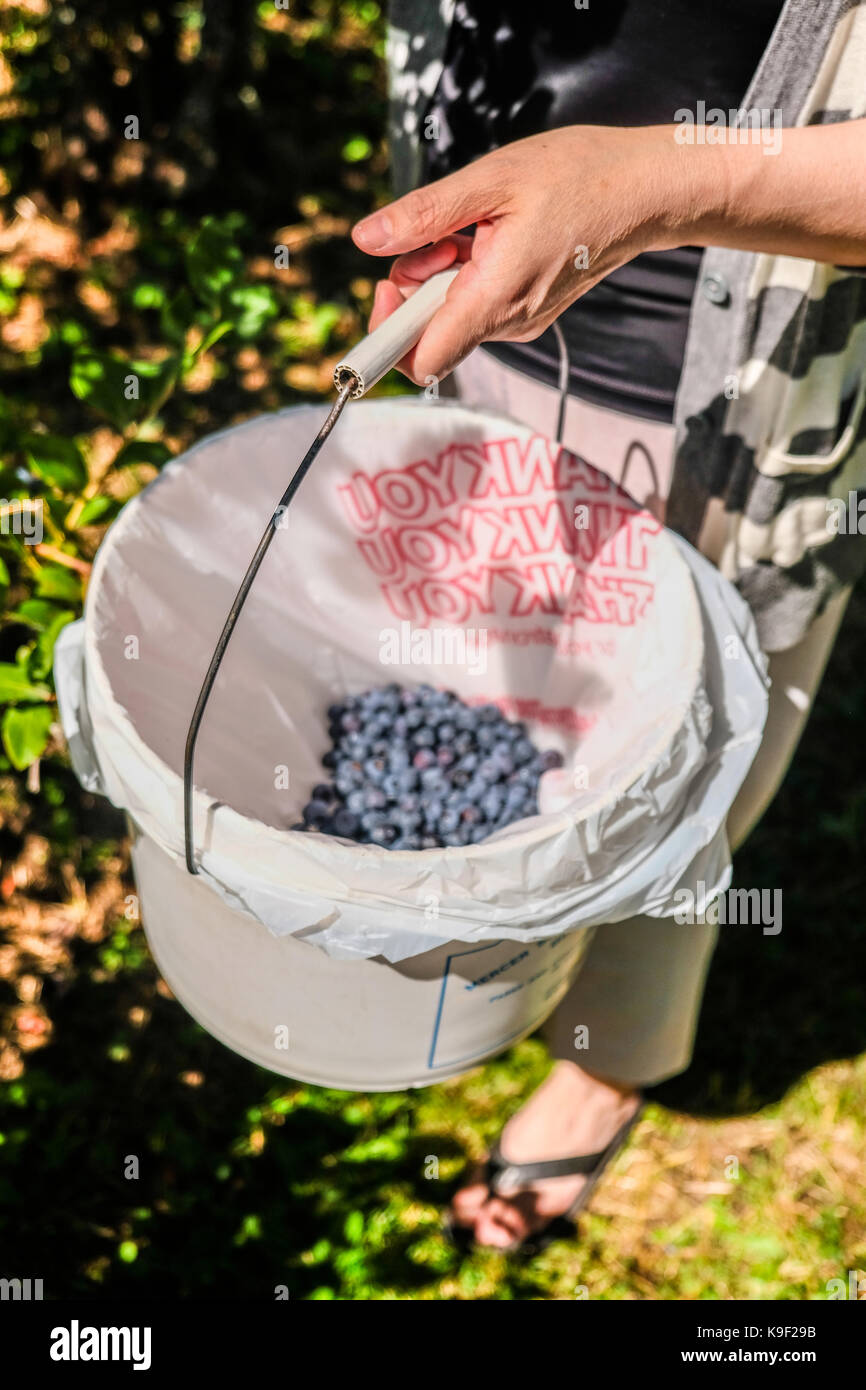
(639, 991)
(637, 998)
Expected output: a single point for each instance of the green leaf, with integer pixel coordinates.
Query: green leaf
(146, 295)
(98, 509)
(56, 460)
(354, 1227)
(356, 149)
(127, 1251)
(142, 451)
(250, 307)
(25, 733)
(176, 316)
(16, 685)
(56, 581)
(4, 572)
(122, 391)
(42, 659)
(104, 382)
(36, 612)
(213, 261)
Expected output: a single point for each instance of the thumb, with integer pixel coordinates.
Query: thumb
(433, 212)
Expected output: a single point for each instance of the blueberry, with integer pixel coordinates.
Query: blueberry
(551, 757)
(449, 821)
(424, 738)
(384, 834)
(434, 779)
(329, 759)
(356, 800)
(432, 810)
(346, 823)
(424, 758)
(492, 802)
(315, 811)
(323, 791)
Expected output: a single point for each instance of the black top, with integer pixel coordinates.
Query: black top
(518, 68)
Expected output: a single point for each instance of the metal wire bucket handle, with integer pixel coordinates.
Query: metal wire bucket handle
(367, 363)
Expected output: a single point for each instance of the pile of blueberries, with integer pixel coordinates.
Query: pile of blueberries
(417, 768)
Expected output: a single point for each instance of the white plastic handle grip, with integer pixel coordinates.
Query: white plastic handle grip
(382, 349)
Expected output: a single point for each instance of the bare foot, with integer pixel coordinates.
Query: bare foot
(570, 1113)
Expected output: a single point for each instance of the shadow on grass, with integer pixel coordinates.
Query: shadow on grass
(210, 1213)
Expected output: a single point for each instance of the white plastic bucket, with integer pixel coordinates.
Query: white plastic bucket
(352, 965)
(364, 1025)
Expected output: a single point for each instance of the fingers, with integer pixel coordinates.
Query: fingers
(407, 274)
(435, 211)
(411, 270)
(466, 319)
(386, 299)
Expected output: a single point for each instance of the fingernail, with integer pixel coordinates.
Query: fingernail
(375, 232)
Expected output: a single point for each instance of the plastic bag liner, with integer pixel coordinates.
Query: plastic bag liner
(429, 543)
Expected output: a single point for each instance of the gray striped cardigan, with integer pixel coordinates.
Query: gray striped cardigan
(770, 417)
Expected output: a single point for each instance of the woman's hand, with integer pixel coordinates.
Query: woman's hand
(557, 212)
(554, 214)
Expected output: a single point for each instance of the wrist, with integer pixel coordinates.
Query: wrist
(697, 186)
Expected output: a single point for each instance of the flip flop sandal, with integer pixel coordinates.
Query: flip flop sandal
(506, 1179)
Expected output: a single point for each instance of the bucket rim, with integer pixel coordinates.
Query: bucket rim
(520, 836)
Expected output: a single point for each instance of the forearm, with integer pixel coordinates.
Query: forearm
(809, 199)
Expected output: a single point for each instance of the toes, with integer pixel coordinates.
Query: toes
(500, 1224)
(467, 1203)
